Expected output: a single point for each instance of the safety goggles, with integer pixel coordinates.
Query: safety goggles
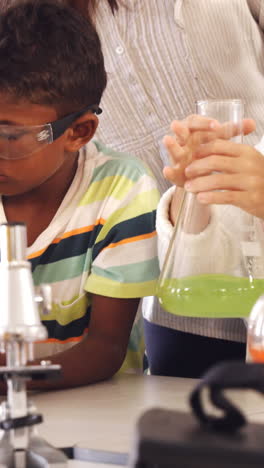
(18, 142)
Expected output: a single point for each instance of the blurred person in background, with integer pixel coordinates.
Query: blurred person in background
(160, 57)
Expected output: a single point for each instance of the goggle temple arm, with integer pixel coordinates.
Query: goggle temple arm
(59, 126)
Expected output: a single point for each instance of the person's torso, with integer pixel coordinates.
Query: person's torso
(163, 56)
(62, 256)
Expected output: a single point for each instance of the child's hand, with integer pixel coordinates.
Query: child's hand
(225, 172)
(190, 133)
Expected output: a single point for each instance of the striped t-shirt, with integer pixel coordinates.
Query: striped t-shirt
(102, 240)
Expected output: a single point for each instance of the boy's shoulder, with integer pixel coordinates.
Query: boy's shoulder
(107, 174)
(111, 162)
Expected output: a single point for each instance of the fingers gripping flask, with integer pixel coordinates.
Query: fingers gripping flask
(213, 267)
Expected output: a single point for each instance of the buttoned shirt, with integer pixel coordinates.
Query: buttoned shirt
(163, 55)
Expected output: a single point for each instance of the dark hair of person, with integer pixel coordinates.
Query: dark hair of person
(50, 55)
(89, 6)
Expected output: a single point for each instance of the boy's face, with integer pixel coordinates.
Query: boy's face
(19, 176)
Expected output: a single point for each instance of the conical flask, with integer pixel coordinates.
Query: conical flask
(213, 267)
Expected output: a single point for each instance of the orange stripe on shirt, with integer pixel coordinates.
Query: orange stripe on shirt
(73, 339)
(131, 239)
(79, 231)
(74, 232)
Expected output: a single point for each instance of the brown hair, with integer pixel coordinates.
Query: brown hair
(85, 7)
(89, 6)
(50, 55)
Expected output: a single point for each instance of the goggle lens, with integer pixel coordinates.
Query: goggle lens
(19, 142)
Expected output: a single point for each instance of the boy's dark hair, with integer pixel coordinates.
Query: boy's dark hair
(50, 55)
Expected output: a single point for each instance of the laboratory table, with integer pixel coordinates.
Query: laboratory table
(101, 417)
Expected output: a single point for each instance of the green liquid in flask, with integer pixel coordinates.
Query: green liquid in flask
(212, 296)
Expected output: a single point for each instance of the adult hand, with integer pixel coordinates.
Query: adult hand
(224, 172)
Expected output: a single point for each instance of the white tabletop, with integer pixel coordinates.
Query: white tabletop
(102, 416)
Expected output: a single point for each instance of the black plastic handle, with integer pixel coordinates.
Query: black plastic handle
(227, 375)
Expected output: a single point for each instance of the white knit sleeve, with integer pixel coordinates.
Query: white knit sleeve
(163, 224)
(215, 245)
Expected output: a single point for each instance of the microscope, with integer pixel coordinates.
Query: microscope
(20, 327)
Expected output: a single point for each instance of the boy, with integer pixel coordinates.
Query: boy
(90, 213)
(223, 175)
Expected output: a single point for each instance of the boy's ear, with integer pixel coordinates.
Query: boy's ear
(81, 132)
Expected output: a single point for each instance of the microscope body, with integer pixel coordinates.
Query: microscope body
(20, 327)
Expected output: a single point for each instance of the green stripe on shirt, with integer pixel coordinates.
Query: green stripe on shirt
(129, 273)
